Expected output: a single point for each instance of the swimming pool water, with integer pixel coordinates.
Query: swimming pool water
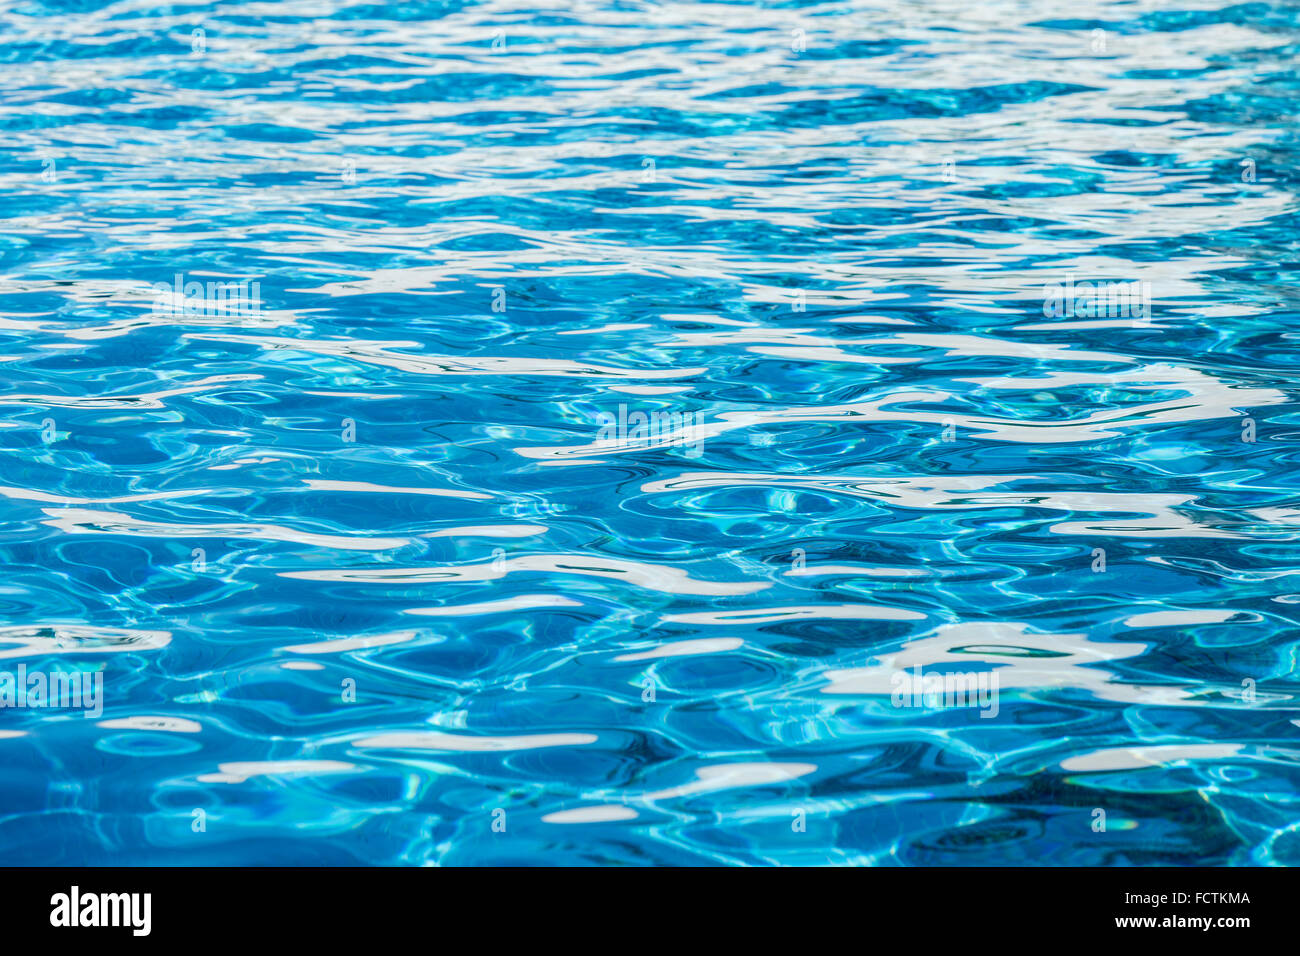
(620, 432)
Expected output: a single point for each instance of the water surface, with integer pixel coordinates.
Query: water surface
(635, 398)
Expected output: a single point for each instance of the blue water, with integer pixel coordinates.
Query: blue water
(632, 398)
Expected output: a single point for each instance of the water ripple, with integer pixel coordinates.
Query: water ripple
(439, 423)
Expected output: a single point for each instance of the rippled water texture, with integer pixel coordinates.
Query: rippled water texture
(629, 403)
